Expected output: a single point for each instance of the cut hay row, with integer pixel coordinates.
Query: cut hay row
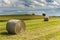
(55, 38)
(45, 32)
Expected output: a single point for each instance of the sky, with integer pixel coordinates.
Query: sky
(50, 7)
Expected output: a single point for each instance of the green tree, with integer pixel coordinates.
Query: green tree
(33, 13)
(43, 14)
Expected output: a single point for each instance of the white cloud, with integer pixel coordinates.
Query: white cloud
(36, 2)
(52, 6)
(55, 3)
(7, 1)
(33, 4)
(42, 4)
(43, 1)
(0, 4)
(58, 1)
(28, 5)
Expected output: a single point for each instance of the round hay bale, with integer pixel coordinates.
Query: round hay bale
(15, 26)
(46, 18)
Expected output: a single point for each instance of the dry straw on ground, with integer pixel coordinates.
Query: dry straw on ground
(15, 26)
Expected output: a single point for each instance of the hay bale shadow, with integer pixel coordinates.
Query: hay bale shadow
(5, 33)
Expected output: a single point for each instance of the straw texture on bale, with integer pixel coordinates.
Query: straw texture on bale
(46, 18)
(15, 26)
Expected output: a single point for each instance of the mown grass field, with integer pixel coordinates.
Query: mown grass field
(25, 17)
(36, 29)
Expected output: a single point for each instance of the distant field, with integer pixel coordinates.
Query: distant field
(25, 17)
(36, 29)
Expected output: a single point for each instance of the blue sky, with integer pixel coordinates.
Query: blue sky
(50, 7)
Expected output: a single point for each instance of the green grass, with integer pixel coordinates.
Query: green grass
(8, 17)
(36, 29)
